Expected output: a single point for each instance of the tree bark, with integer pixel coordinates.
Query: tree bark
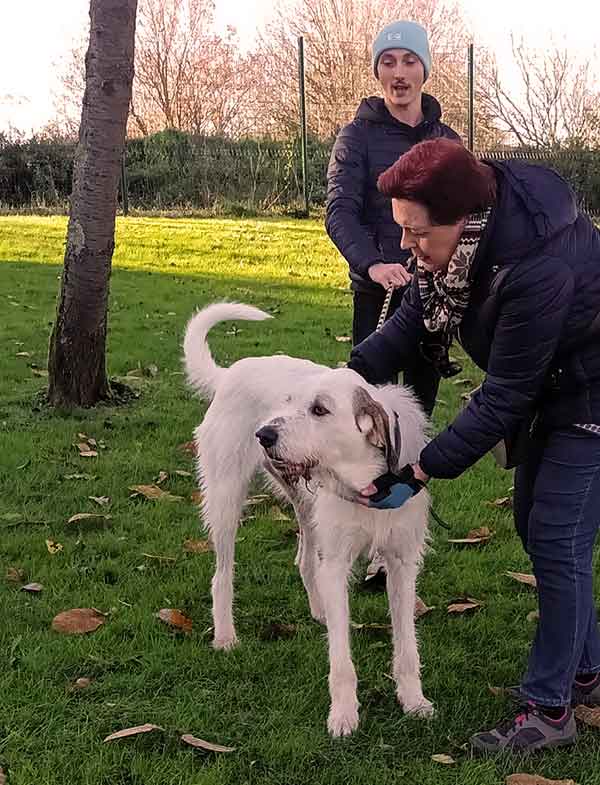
(77, 355)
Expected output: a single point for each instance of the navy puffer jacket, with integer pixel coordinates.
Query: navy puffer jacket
(358, 218)
(532, 323)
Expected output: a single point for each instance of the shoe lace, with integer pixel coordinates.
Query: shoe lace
(512, 724)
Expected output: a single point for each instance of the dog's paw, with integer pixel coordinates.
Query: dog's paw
(342, 721)
(225, 644)
(422, 708)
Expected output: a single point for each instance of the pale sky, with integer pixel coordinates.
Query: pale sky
(34, 34)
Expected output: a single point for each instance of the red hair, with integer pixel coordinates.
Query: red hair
(444, 177)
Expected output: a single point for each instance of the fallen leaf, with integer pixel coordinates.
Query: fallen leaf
(103, 501)
(277, 514)
(535, 779)
(86, 451)
(88, 516)
(41, 372)
(78, 621)
(503, 501)
(533, 616)
(122, 734)
(81, 477)
(92, 442)
(522, 577)
(447, 760)
(258, 498)
(421, 608)
(193, 741)
(371, 627)
(464, 605)
(162, 476)
(188, 447)
(53, 547)
(588, 714)
(23, 354)
(343, 338)
(82, 683)
(15, 575)
(474, 537)
(499, 692)
(175, 618)
(3, 779)
(151, 370)
(198, 546)
(196, 497)
(32, 588)
(277, 631)
(458, 382)
(183, 473)
(154, 493)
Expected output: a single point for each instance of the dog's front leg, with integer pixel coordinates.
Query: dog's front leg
(401, 590)
(307, 561)
(332, 579)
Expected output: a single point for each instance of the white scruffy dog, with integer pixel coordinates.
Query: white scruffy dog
(325, 435)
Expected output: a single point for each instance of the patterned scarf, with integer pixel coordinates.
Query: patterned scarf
(445, 294)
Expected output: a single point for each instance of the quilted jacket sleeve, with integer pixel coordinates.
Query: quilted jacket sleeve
(533, 312)
(346, 188)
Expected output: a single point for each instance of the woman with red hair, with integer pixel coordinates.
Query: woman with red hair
(508, 266)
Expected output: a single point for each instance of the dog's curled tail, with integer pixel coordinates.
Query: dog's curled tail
(202, 371)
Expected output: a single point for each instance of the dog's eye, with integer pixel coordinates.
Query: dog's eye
(318, 410)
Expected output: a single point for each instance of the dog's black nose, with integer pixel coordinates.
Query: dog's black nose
(267, 436)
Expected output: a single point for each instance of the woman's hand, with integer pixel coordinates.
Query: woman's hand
(390, 491)
(389, 275)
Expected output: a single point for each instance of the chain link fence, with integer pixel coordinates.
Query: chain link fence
(174, 171)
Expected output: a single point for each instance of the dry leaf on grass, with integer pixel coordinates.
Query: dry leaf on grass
(200, 744)
(78, 621)
(103, 501)
(522, 577)
(162, 476)
(174, 618)
(499, 692)
(154, 493)
(421, 608)
(80, 684)
(40, 372)
(3, 779)
(588, 714)
(464, 605)
(183, 473)
(198, 546)
(81, 477)
(32, 588)
(447, 760)
(343, 338)
(89, 516)
(188, 447)
(503, 501)
(533, 616)
(474, 537)
(126, 732)
(258, 498)
(15, 575)
(53, 547)
(277, 514)
(535, 779)
(371, 627)
(196, 497)
(458, 382)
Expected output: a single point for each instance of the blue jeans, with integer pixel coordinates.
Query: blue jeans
(557, 514)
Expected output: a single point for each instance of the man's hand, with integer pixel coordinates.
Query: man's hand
(389, 275)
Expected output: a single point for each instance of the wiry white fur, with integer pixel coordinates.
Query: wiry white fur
(280, 391)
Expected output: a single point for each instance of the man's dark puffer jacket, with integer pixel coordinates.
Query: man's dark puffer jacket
(358, 218)
(533, 321)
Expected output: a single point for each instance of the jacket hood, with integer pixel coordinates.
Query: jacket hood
(374, 110)
(534, 205)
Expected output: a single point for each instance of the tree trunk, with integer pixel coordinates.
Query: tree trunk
(76, 363)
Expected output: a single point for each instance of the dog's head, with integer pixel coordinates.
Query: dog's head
(343, 430)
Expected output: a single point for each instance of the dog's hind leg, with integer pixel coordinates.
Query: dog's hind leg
(401, 590)
(224, 491)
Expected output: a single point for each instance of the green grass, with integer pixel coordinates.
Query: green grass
(268, 698)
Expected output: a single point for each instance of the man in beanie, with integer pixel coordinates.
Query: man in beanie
(359, 219)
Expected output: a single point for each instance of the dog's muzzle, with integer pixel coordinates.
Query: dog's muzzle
(267, 436)
(289, 471)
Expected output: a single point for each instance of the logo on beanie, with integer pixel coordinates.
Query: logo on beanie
(394, 36)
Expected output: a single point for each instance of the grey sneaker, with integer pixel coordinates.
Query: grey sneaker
(529, 731)
(581, 694)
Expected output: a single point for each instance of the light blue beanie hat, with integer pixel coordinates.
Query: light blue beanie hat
(403, 35)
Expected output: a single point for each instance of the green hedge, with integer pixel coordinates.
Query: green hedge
(172, 171)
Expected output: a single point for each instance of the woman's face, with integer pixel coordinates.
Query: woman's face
(432, 245)
(401, 74)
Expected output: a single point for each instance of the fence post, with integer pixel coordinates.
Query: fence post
(471, 84)
(123, 182)
(303, 122)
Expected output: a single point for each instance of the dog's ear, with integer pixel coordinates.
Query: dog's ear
(373, 420)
